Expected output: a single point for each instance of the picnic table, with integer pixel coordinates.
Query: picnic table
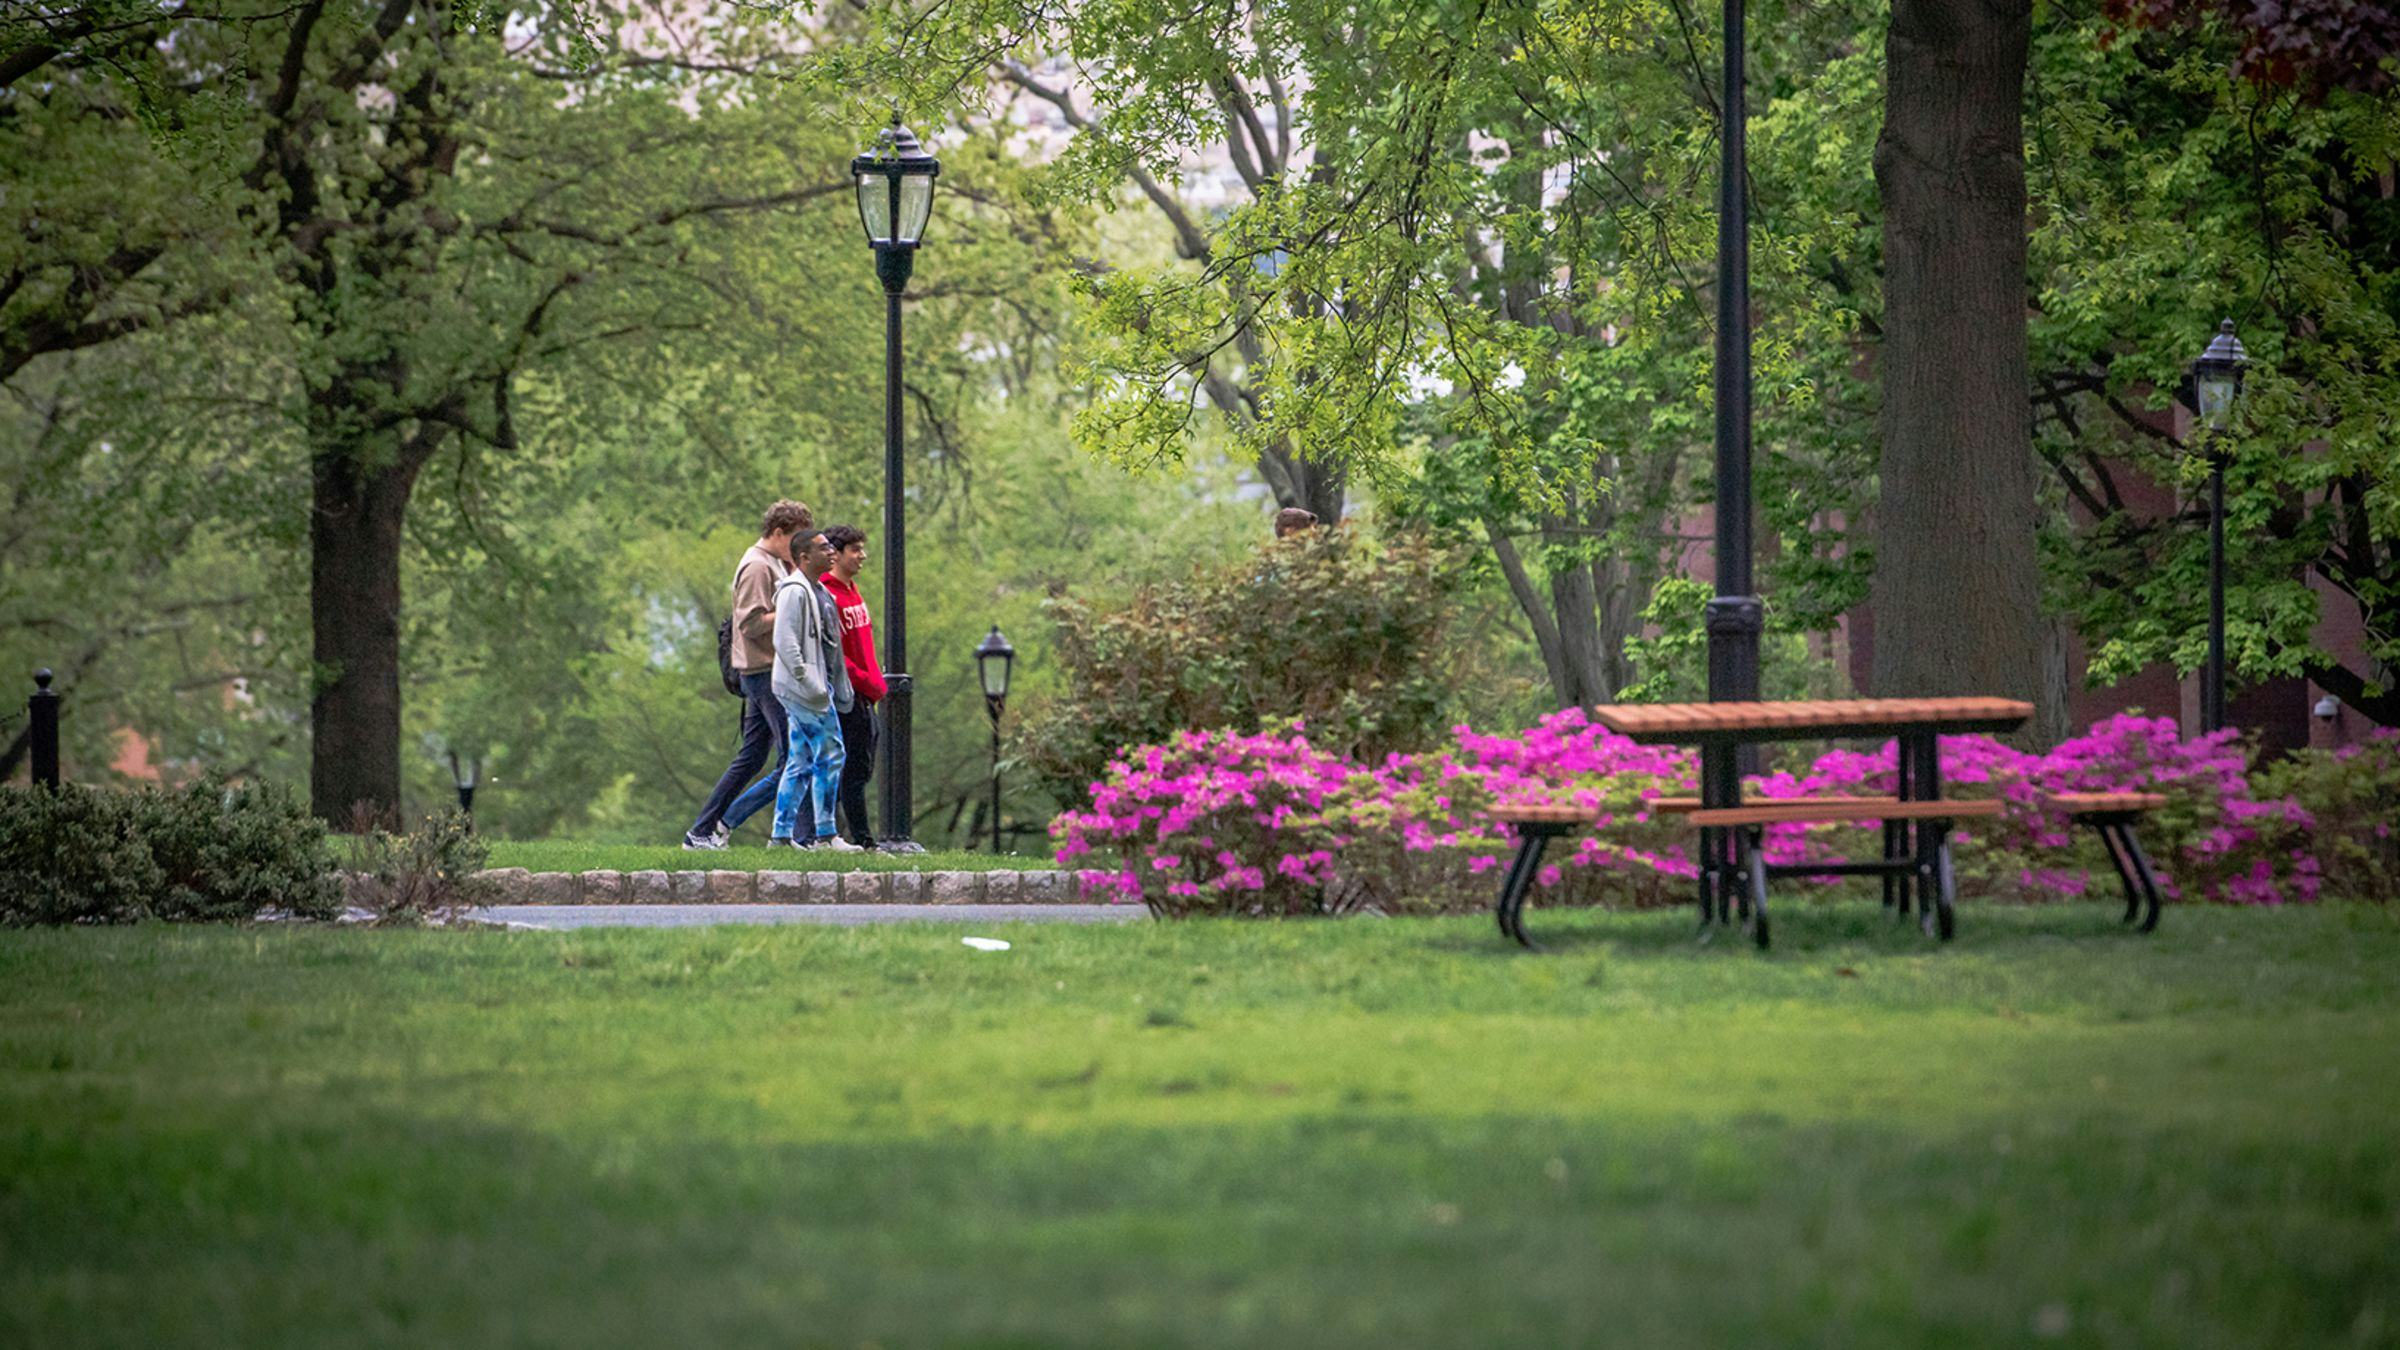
(1733, 870)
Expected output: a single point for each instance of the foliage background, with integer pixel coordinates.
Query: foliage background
(1477, 284)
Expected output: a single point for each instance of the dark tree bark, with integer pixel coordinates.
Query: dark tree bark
(358, 509)
(1316, 488)
(1956, 590)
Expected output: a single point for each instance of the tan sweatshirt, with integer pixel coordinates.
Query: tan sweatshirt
(754, 579)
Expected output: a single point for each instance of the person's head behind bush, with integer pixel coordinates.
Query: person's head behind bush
(1292, 520)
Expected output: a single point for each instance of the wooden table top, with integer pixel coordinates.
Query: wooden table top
(1683, 723)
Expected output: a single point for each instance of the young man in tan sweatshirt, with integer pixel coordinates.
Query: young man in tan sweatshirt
(763, 565)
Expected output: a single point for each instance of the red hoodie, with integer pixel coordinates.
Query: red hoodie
(858, 639)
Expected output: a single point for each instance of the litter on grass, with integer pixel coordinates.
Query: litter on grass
(986, 944)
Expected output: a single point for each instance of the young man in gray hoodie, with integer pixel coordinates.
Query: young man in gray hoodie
(809, 680)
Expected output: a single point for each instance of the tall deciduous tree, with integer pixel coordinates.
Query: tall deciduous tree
(1471, 276)
(395, 171)
(422, 312)
(1258, 140)
(1956, 591)
(2182, 177)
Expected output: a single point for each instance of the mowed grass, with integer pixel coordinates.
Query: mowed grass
(1361, 1133)
(567, 855)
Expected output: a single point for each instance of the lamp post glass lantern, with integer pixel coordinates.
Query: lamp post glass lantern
(995, 660)
(2217, 378)
(895, 201)
(2216, 389)
(464, 774)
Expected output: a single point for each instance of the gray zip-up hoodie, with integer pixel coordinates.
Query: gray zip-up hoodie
(844, 698)
(800, 676)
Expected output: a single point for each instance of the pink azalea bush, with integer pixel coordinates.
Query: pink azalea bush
(2351, 796)
(1268, 824)
(1209, 821)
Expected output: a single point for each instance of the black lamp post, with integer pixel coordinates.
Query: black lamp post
(994, 659)
(895, 199)
(2216, 387)
(1735, 617)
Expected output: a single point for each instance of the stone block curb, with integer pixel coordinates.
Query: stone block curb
(520, 886)
(553, 888)
(783, 888)
(954, 888)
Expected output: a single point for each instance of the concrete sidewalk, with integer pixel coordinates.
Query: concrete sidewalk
(694, 916)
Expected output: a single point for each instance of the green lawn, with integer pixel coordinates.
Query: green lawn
(1366, 1133)
(567, 855)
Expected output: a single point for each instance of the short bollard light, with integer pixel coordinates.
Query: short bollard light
(463, 774)
(994, 661)
(41, 712)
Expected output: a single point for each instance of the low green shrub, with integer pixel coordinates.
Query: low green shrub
(72, 856)
(425, 875)
(2352, 800)
(230, 852)
(1336, 631)
(207, 852)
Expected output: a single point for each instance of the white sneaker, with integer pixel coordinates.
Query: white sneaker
(704, 843)
(837, 844)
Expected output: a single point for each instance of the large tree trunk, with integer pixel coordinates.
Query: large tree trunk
(1956, 593)
(1296, 480)
(354, 613)
(1579, 630)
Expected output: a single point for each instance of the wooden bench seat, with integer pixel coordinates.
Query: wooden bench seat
(2112, 816)
(2108, 803)
(1784, 810)
(1567, 813)
(1545, 813)
(1684, 806)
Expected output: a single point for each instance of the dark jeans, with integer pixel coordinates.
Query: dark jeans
(858, 765)
(763, 735)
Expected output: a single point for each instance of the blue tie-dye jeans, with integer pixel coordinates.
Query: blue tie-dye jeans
(812, 768)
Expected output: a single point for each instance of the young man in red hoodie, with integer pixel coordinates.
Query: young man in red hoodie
(866, 677)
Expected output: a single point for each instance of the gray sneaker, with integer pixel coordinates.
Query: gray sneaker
(704, 843)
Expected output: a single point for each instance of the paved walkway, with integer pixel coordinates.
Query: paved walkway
(692, 916)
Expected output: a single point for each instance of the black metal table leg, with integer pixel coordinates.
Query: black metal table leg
(2117, 859)
(1704, 856)
(1520, 875)
(1720, 786)
(2141, 867)
(1891, 849)
(1900, 836)
(1755, 859)
(1937, 881)
(1945, 922)
(1511, 910)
